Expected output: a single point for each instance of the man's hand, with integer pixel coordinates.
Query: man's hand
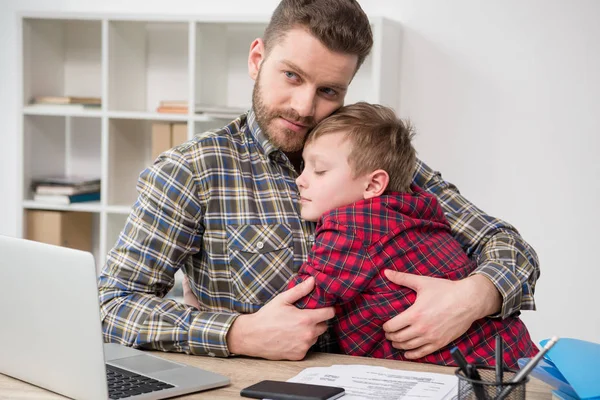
(443, 311)
(279, 330)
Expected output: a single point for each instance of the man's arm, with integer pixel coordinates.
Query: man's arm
(502, 284)
(500, 252)
(162, 230)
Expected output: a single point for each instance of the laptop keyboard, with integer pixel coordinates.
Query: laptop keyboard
(123, 383)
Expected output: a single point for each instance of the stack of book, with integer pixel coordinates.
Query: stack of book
(220, 111)
(173, 107)
(181, 107)
(67, 102)
(66, 190)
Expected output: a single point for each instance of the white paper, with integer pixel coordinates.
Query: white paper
(380, 383)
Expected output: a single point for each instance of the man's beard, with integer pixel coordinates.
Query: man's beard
(284, 139)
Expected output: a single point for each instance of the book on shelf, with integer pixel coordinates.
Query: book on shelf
(166, 136)
(65, 100)
(161, 138)
(66, 200)
(172, 110)
(65, 185)
(67, 190)
(210, 109)
(174, 103)
(60, 108)
(182, 106)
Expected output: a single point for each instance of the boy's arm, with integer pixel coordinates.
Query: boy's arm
(161, 231)
(502, 284)
(501, 254)
(340, 265)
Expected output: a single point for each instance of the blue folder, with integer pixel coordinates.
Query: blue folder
(571, 366)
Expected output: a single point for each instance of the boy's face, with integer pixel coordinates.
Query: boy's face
(327, 181)
(297, 85)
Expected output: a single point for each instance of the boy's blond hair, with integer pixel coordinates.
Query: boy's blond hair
(379, 139)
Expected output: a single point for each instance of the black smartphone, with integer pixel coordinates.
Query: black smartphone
(278, 390)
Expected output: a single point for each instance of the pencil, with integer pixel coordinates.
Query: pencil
(522, 374)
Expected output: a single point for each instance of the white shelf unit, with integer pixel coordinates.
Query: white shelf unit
(132, 62)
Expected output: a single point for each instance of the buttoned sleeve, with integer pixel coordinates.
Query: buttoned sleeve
(162, 230)
(500, 252)
(340, 265)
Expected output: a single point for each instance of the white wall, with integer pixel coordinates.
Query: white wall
(506, 99)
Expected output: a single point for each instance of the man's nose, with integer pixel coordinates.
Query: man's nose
(304, 101)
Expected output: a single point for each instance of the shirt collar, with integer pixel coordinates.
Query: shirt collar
(259, 136)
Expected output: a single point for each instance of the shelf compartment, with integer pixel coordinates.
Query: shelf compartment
(62, 227)
(61, 58)
(129, 143)
(114, 225)
(147, 62)
(221, 64)
(57, 145)
(204, 126)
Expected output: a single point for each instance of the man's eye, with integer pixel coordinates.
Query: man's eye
(319, 173)
(329, 92)
(290, 75)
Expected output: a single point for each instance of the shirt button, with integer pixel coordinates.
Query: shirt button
(260, 245)
(211, 354)
(311, 238)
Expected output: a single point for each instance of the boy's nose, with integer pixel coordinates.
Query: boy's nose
(300, 181)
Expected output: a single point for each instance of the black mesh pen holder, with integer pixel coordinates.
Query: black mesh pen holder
(488, 389)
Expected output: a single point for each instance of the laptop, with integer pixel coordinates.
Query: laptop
(51, 333)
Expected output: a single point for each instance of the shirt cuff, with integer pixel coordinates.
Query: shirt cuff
(508, 284)
(208, 334)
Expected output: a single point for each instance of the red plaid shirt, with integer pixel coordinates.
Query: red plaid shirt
(408, 233)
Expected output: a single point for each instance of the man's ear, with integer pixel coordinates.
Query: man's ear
(377, 182)
(255, 57)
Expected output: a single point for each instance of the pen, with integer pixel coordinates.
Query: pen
(522, 374)
(460, 360)
(477, 388)
(499, 363)
(469, 371)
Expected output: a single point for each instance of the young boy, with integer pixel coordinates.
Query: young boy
(356, 182)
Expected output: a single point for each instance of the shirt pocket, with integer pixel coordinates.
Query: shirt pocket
(261, 260)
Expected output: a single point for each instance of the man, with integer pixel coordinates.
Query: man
(224, 207)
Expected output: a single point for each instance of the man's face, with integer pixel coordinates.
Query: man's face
(300, 83)
(327, 181)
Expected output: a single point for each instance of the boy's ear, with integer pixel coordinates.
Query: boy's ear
(377, 182)
(255, 57)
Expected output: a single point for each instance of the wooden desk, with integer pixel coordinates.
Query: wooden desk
(245, 371)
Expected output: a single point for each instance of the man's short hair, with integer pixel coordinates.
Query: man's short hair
(341, 25)
(379, 139)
